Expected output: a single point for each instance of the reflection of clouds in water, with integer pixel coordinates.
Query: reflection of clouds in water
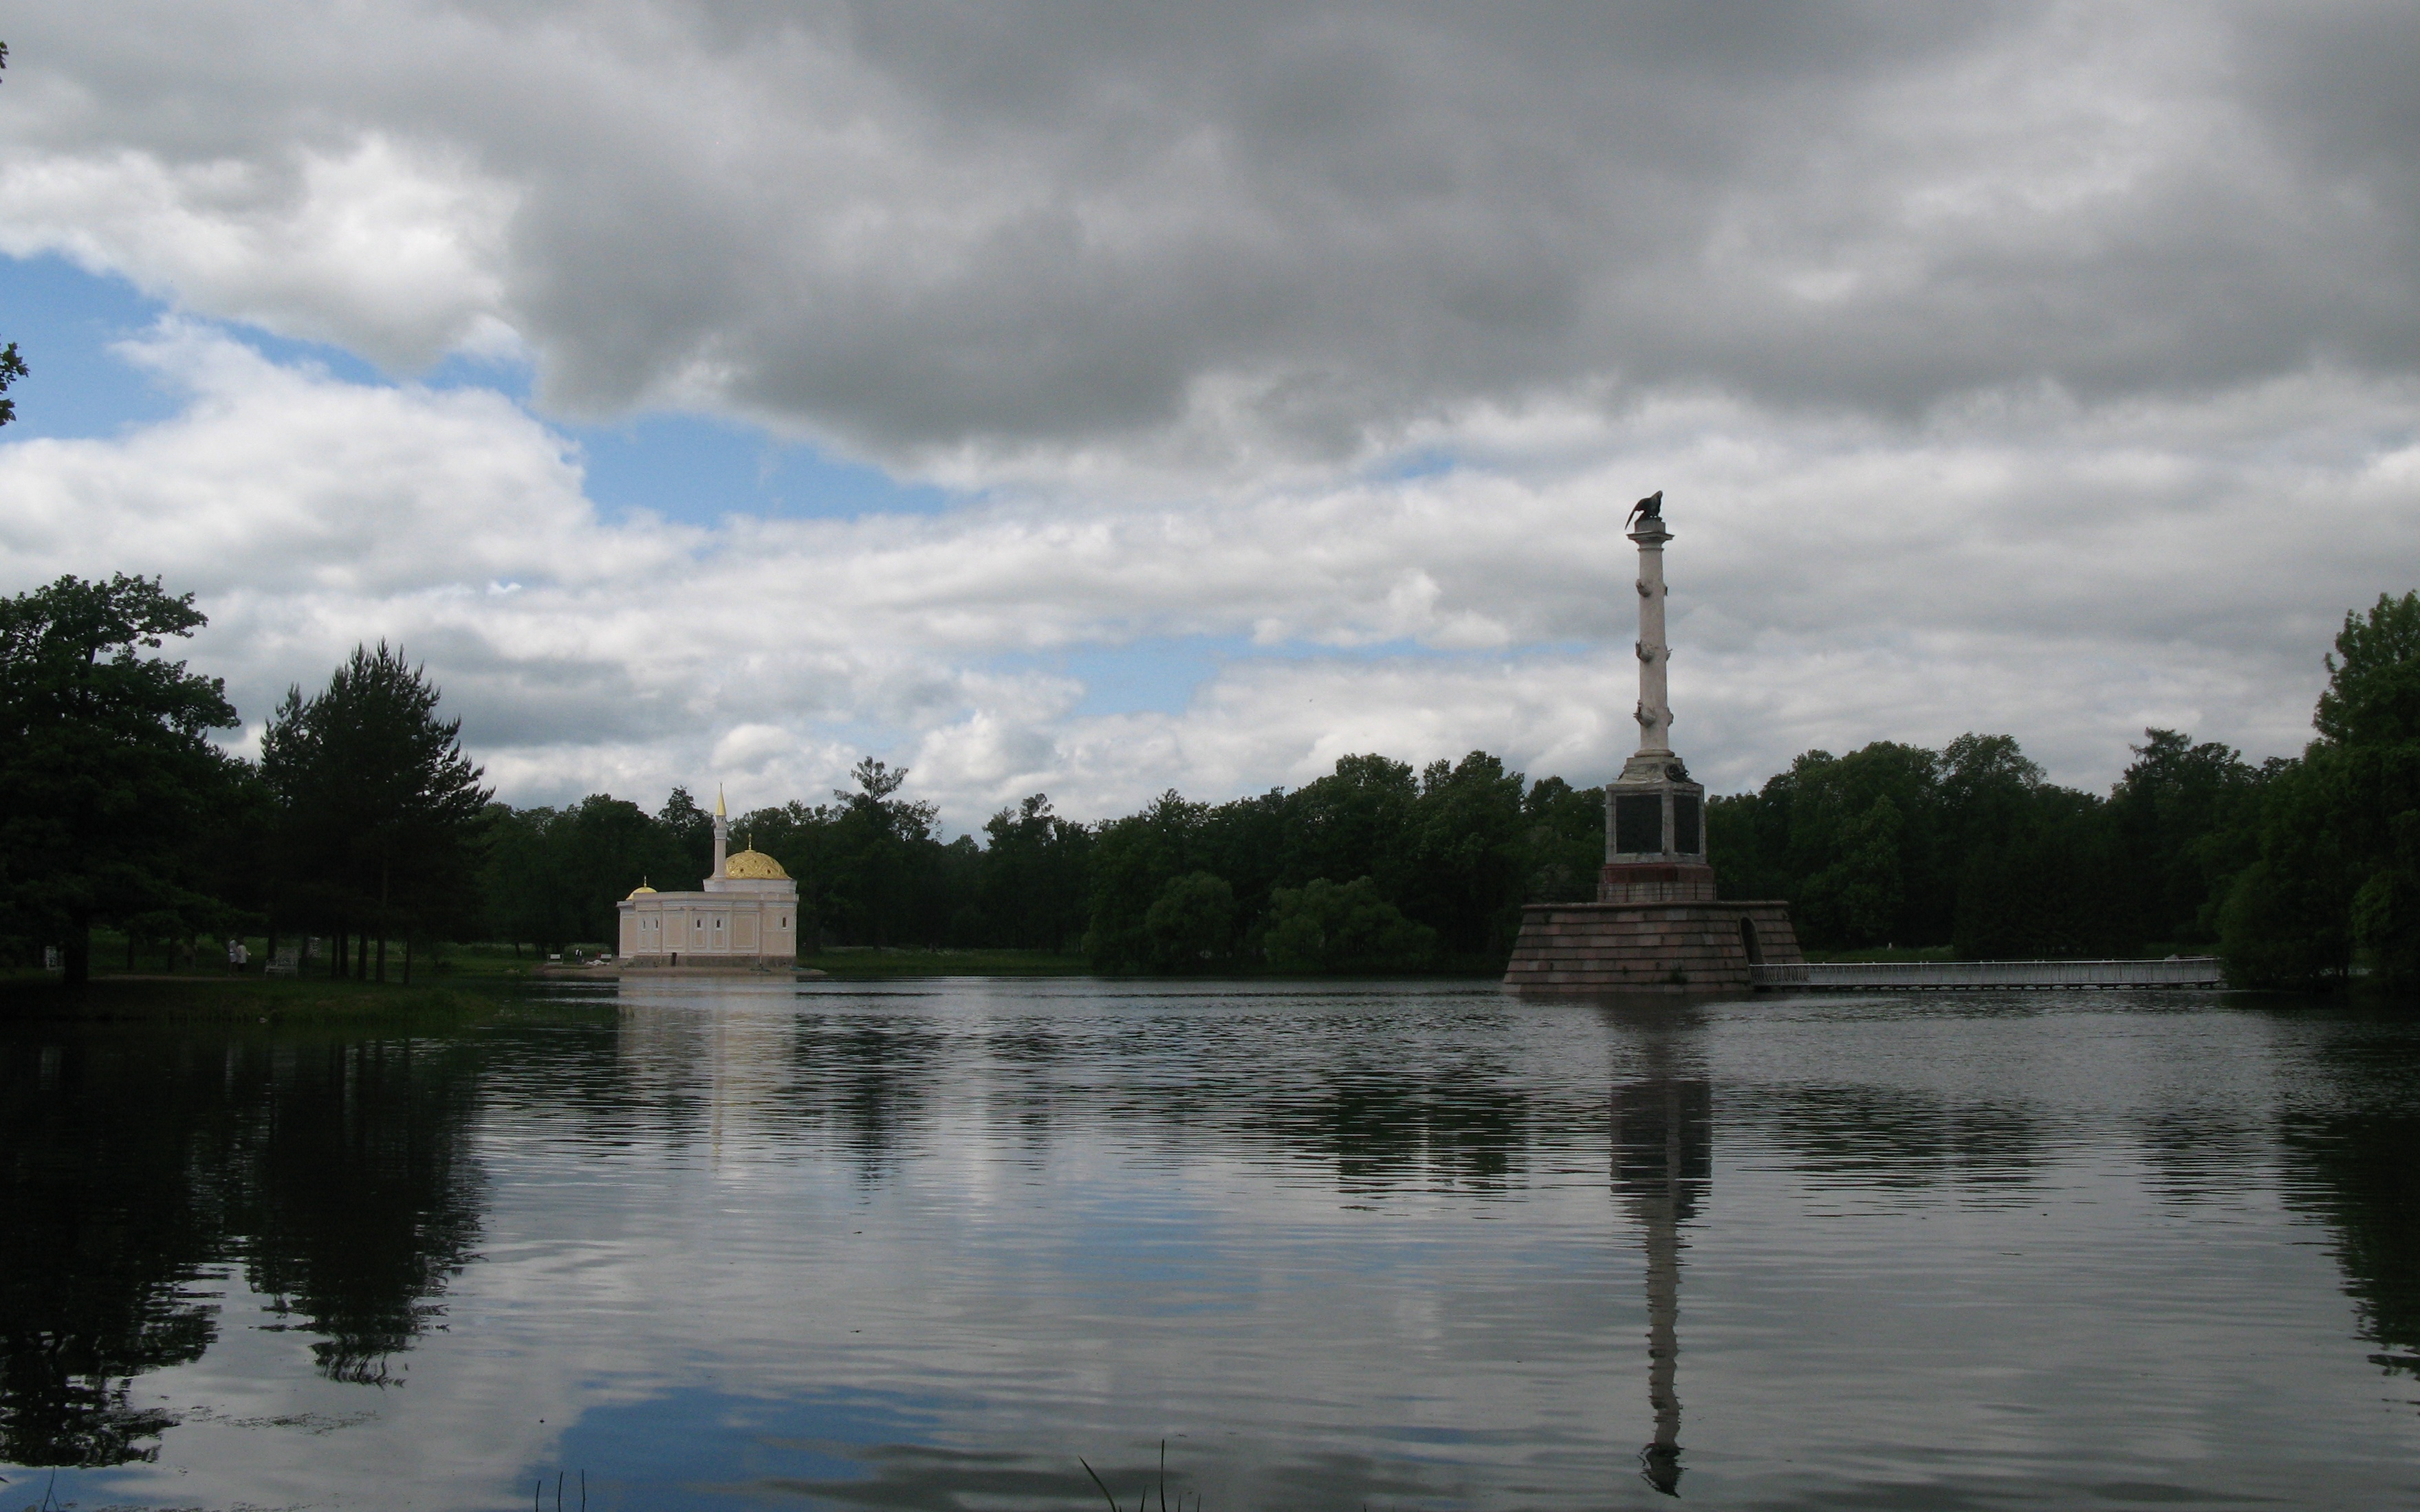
(887, 1246)
(847, 1448)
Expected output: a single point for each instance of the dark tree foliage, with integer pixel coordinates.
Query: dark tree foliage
(110, 775)
(1322, 925)
(1034, 887)
(552, 876)
(1191, 924)
(2184, 819)
(1135, 860)
(13, 367)
(382, 815)
(1562, 845)
(2338, 872)
(1968, 846)
(882, 854)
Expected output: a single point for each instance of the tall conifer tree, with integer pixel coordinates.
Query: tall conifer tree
(383, 812)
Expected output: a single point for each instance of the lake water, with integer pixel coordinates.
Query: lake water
(927, 1244)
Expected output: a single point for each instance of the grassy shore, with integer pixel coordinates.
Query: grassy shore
(876, 966)
(241, 1000)
(869, 964)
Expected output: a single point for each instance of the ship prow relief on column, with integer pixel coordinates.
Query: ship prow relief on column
(1657, 925)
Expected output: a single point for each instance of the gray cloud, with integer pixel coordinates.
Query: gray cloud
(915, 227)
(2044, 368)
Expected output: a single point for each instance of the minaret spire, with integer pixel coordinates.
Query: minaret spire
(722, 830)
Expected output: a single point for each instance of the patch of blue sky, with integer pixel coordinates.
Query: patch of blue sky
(698, 470)
(67, 321)
(64, 321)
(1161, 674)
(686, 1446)
(1154, 676)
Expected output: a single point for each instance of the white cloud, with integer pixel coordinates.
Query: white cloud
(2063, 573)
(390, 251)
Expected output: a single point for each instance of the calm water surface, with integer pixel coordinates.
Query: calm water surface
(923, 1245)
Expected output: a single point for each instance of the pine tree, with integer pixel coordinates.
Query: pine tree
(382, 813)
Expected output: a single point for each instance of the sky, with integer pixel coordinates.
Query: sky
(1095, 399)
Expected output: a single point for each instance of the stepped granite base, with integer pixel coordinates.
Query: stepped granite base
(1648, 947)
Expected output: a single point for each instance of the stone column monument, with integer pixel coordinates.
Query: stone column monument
(1655, 925)
(1654, 816)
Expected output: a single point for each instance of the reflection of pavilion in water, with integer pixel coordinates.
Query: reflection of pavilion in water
(712, 1075)
(735, 1076)
(1663, 1159)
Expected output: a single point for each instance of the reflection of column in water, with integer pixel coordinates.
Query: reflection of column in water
(1662, 1142)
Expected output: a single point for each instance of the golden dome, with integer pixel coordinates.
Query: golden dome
(753, 865)
(642, 887)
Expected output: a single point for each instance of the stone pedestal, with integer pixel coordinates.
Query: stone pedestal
(1655, 882)
(1571, 949)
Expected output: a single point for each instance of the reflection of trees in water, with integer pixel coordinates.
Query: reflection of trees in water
(1427, 1111)
(1025, 1053)
(2356, 1162)
(866, 1080)
(1430, 1114)
(108, 1231)
(2199, 1152)
(1460, 1122)
(1889, 1138)
(132, 1164)
(359, 1200)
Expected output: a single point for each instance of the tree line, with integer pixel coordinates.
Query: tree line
(364, 822)
(2297, 871)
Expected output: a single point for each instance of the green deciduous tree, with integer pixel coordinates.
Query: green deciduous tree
(1562, 844)
(1463, 869)
(881, 849)
(1035, 888)
(2339, 831)
(2184, 818)
(109, 773)
(1324, 927)
(1135, 858)
(1191, 924)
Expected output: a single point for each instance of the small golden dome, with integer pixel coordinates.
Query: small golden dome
(640, 889)
(753, 865)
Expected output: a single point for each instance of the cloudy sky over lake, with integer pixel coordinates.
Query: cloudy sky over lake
(1096, 399)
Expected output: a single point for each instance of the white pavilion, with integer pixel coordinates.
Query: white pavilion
(746, 915)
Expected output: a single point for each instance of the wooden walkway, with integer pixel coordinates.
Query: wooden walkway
(2176, 971)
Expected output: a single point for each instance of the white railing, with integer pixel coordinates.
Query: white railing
(2176, 971)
